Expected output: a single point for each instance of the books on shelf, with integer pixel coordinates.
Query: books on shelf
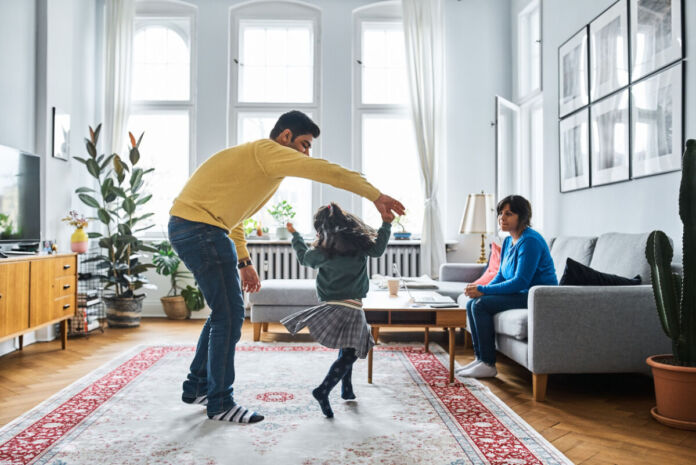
(87, 303)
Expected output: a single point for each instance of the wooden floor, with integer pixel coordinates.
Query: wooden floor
(593, 419)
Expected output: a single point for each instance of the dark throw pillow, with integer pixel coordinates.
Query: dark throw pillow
(577, 274)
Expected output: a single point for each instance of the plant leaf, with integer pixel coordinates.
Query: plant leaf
(132, 139)
(80, 190)
(104, 216)
(96, 133)
(106, 161)
(80, 159)
(89, 200)
(93, 168)
(134, 155)
(91, 149)
(128, 205)
(94, 235)
(144, 200)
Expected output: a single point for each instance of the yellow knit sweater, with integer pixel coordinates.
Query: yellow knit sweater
(235, 183)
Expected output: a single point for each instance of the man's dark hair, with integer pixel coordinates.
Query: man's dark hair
(520, 206)
(341, 233)
(297, 122)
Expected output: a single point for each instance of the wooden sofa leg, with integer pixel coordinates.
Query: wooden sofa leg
(257, 331)
(539, 386)
(264, 327)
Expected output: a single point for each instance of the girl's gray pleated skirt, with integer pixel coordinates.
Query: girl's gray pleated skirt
(336, 324)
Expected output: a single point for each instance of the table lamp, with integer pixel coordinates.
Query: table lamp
(479, 218)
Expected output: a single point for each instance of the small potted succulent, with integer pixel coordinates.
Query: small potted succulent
(177, 306)
(79, 239)
(283, 213)
(675, 295)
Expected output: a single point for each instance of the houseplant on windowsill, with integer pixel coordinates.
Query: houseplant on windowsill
(119, 199)
(283, 213)
(675, 296)
(176, 305)
(403, 235)
(253, 230)
(79, 239)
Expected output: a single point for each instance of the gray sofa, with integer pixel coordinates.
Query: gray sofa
(580, 329)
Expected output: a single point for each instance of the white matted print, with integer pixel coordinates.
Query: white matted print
(656, 119)
(575, 151)
(572, 74)
(656, 35)
(610, 139)
(609, 51)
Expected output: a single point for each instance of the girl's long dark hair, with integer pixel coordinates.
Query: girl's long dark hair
(341, 233)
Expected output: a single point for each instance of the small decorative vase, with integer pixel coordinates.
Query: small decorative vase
(282, 233)
(79, 241)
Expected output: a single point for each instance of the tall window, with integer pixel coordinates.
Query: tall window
(163, 103)
(274, 69)
(529, 50)
(385, 143)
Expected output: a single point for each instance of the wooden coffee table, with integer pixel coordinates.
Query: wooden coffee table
(383, 310)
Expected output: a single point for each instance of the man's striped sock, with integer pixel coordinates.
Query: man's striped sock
(200, 400)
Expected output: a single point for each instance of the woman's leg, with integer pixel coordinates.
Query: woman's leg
(472, 326)
(482, 310)
(337, 371)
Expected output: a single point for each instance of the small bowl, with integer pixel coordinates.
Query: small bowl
(402, 236)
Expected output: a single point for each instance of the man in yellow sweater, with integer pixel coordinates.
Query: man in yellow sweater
(228, 188)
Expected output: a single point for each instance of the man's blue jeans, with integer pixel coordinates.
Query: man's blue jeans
(212, 258)
(479, 313)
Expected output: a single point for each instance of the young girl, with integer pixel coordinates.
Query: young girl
(339, 255)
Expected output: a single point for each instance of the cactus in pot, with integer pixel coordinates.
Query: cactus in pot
(675, 295)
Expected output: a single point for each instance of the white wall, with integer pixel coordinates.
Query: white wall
(478, 68)
(635, 206)
(51, 45)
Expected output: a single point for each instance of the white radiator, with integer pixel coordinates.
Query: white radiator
(278, 261)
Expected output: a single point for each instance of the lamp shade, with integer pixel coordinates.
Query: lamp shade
(479, 215)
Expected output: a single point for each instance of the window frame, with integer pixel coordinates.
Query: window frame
(381, 12)
(523, 68)
(149, 13)
(259, 11)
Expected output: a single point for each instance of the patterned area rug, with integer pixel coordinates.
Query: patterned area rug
(129, 412)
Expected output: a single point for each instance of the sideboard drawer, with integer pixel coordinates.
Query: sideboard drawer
(64, 306)
(64, 266)
(64, 286)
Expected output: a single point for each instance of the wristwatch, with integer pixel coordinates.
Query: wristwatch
(244, 263)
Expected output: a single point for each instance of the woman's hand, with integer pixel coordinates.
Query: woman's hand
(472, 291)
(291, 229)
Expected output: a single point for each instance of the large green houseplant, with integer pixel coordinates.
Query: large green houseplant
(179, 301)
(675, 296)
(119, 200)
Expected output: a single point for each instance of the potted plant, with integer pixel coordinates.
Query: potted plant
(675, 296)
(119, 200)
(167, 263)
(400, 222)
(79, 239)
(282, 212)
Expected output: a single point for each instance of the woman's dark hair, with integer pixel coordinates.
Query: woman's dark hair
(341, 233)
(297, 122)
(520, 206)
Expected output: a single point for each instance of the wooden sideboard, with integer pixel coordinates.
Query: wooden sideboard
(37, 291)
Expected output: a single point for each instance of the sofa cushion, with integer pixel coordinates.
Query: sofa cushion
(450, 288)
(492, 268)
(579, 249)
(512, 323)
(577, 274)
(292, 292)
(622, 254)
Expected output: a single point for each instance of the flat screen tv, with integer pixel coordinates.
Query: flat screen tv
(20, 196)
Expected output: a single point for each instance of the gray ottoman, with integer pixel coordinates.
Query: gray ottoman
(279, 298)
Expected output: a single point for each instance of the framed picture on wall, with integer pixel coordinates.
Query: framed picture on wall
(656, 123)
(609, 128)
(609, 51)
(574, 139)
(573, 87)
(656, 35)
(61, 134)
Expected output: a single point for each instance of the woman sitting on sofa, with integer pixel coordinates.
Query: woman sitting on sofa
(525, 261)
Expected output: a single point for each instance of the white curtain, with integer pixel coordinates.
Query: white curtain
(423, 30)
(117, 73)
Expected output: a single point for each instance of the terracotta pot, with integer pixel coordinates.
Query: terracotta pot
(79, 241)
(675, 392)
(175, 308)
(123, 312)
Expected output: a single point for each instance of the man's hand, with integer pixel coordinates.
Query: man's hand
(389, 206)
(291, 228)
(388, 217)
(250, 279)
(472, 291)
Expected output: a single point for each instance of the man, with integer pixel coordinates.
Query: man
(225, 190)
